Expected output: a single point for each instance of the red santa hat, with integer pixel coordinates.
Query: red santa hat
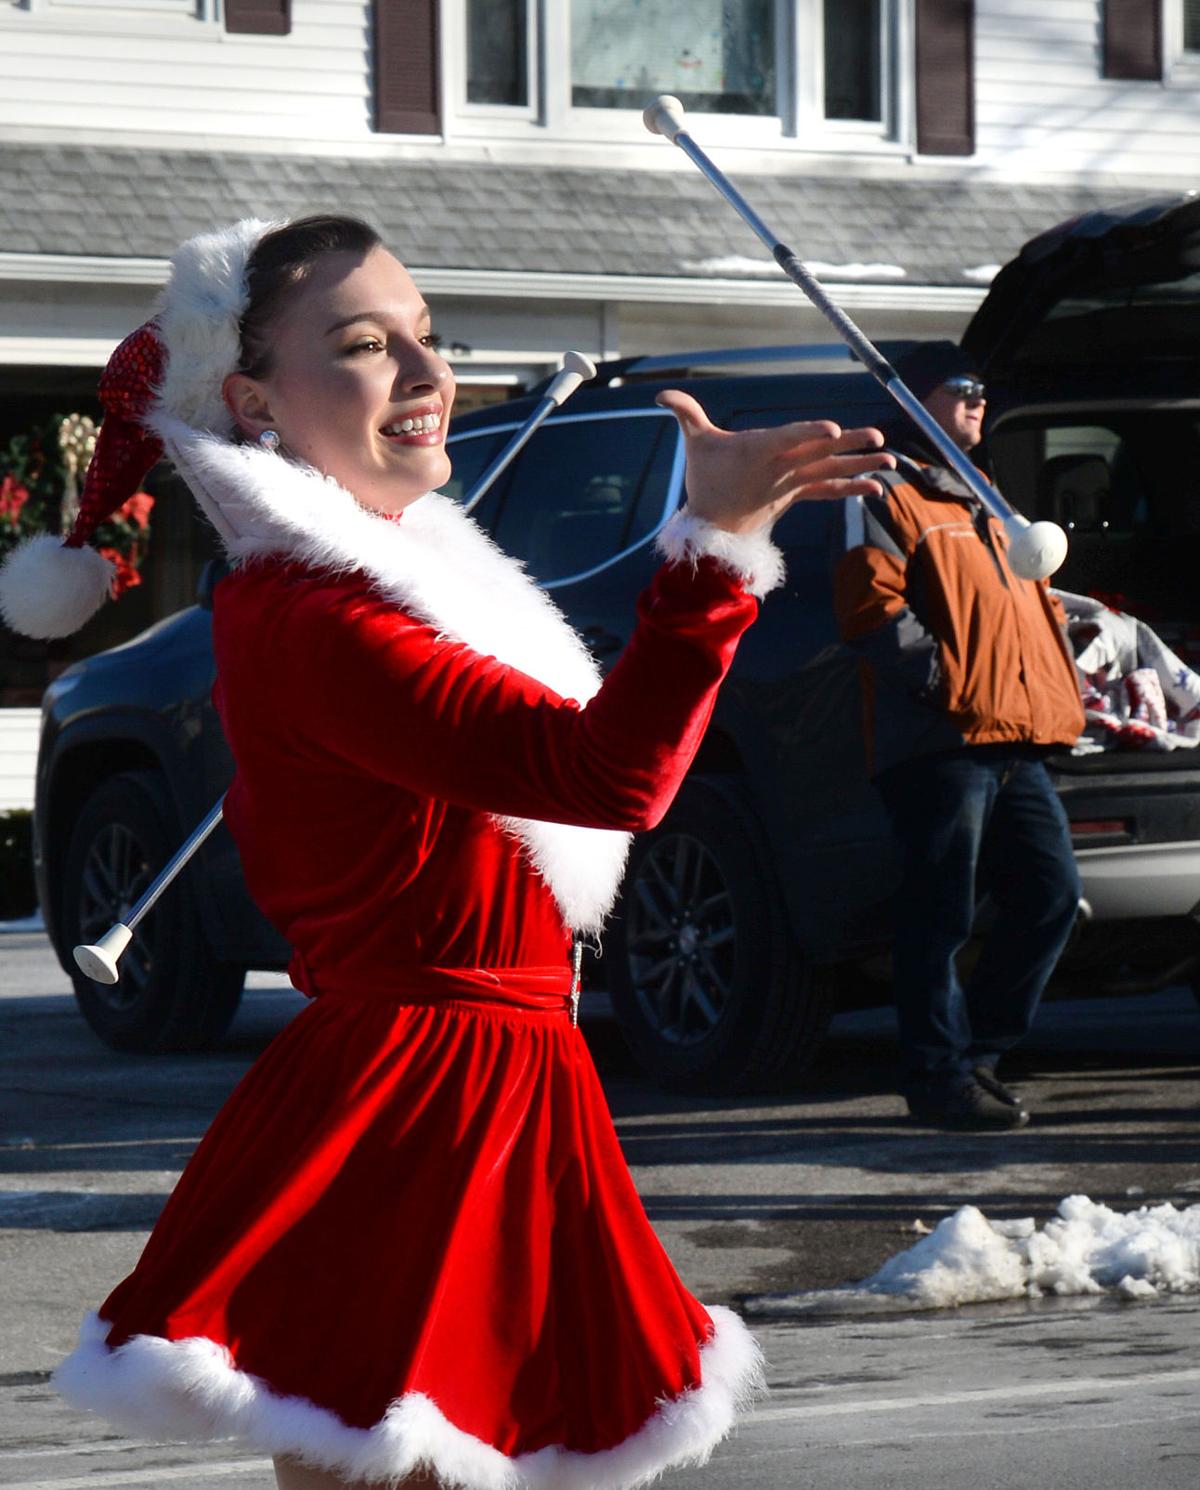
(174, 365)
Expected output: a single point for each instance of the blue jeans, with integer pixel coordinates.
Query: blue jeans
(983, 820)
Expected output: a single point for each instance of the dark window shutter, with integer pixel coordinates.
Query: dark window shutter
(259, 17)
(406, 67)
(946, 77)
(1133, 39)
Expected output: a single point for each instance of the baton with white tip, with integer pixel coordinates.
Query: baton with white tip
(1036, 550)
(576, 369)
(99, 960)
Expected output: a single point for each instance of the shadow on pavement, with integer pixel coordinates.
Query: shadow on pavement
(807, 1188)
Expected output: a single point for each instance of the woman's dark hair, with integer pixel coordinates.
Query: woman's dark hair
(283, 259)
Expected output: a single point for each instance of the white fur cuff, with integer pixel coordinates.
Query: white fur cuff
(751, 556)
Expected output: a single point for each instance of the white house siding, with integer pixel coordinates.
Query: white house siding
(1042, 105)
(18, 757)
(73, 324)
(178, 80)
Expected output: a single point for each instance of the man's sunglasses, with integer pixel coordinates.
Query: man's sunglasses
(972, 389)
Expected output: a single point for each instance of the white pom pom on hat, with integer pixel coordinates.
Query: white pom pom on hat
(176, 365)
(48, 590)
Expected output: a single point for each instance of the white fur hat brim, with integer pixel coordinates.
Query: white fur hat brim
(199, 319)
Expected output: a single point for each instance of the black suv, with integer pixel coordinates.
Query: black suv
(763, 898)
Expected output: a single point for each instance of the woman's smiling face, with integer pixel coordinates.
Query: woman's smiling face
(356, 387)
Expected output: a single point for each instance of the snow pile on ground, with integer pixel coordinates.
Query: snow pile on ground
(1085, 1248)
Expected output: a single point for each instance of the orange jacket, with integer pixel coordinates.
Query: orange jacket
(954, 649)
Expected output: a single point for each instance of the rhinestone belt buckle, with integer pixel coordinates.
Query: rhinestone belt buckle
(576, 979)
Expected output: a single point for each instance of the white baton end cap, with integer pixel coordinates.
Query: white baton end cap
(1035, 550)
(577, 362)
(664, 116)
(99, 962)
(576, 369)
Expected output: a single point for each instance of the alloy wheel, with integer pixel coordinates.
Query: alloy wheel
(681, 940)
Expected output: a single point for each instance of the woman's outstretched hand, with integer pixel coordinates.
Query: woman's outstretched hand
(743, 480)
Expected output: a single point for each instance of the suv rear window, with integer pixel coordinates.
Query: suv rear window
(1122, 483)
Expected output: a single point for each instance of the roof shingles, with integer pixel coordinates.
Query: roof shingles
(121, 201)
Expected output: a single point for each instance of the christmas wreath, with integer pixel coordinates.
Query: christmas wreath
(41, 474)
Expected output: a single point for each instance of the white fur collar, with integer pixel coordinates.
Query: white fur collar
(438, 565)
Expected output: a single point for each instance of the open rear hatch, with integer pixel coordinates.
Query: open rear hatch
(1095, 294)
(1090, 343)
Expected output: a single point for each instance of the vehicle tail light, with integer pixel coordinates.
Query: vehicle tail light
(1102, 827)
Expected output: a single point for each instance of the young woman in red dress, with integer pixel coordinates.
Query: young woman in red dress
(409, 1246)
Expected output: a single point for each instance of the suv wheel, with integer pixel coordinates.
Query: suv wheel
(707, 983)
(173, 994)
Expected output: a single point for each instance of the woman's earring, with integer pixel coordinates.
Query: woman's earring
(269, 439)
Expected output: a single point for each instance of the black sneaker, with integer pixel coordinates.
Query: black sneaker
(990, 1082)
(966, 1109)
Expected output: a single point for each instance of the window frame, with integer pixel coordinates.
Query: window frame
(809, 86)
(203, 19)
(189, 8)
(454, 69)
(1181, 67)
(205, 15)
(799, 120)
(671, 500)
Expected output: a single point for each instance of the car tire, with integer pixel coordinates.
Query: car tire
(173, 994)
(708, 984)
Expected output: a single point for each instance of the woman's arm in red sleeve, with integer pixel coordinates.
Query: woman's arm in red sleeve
(393, 697)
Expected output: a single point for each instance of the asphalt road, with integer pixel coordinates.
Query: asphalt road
(1080, 1398)
(750, 1197)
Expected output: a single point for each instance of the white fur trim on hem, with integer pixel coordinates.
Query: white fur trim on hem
(751, 556)
(49, 590)
(189, 1389)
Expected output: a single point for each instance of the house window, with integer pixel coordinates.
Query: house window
(1179, 40)
(498, 36)
(178, 7)
(716, 56)
(258, 17)
(69, 13)
(822, 71)
(853, 60)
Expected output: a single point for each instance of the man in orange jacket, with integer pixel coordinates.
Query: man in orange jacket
(968, 683)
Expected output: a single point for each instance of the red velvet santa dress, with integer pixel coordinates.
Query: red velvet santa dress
(409, 1239)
